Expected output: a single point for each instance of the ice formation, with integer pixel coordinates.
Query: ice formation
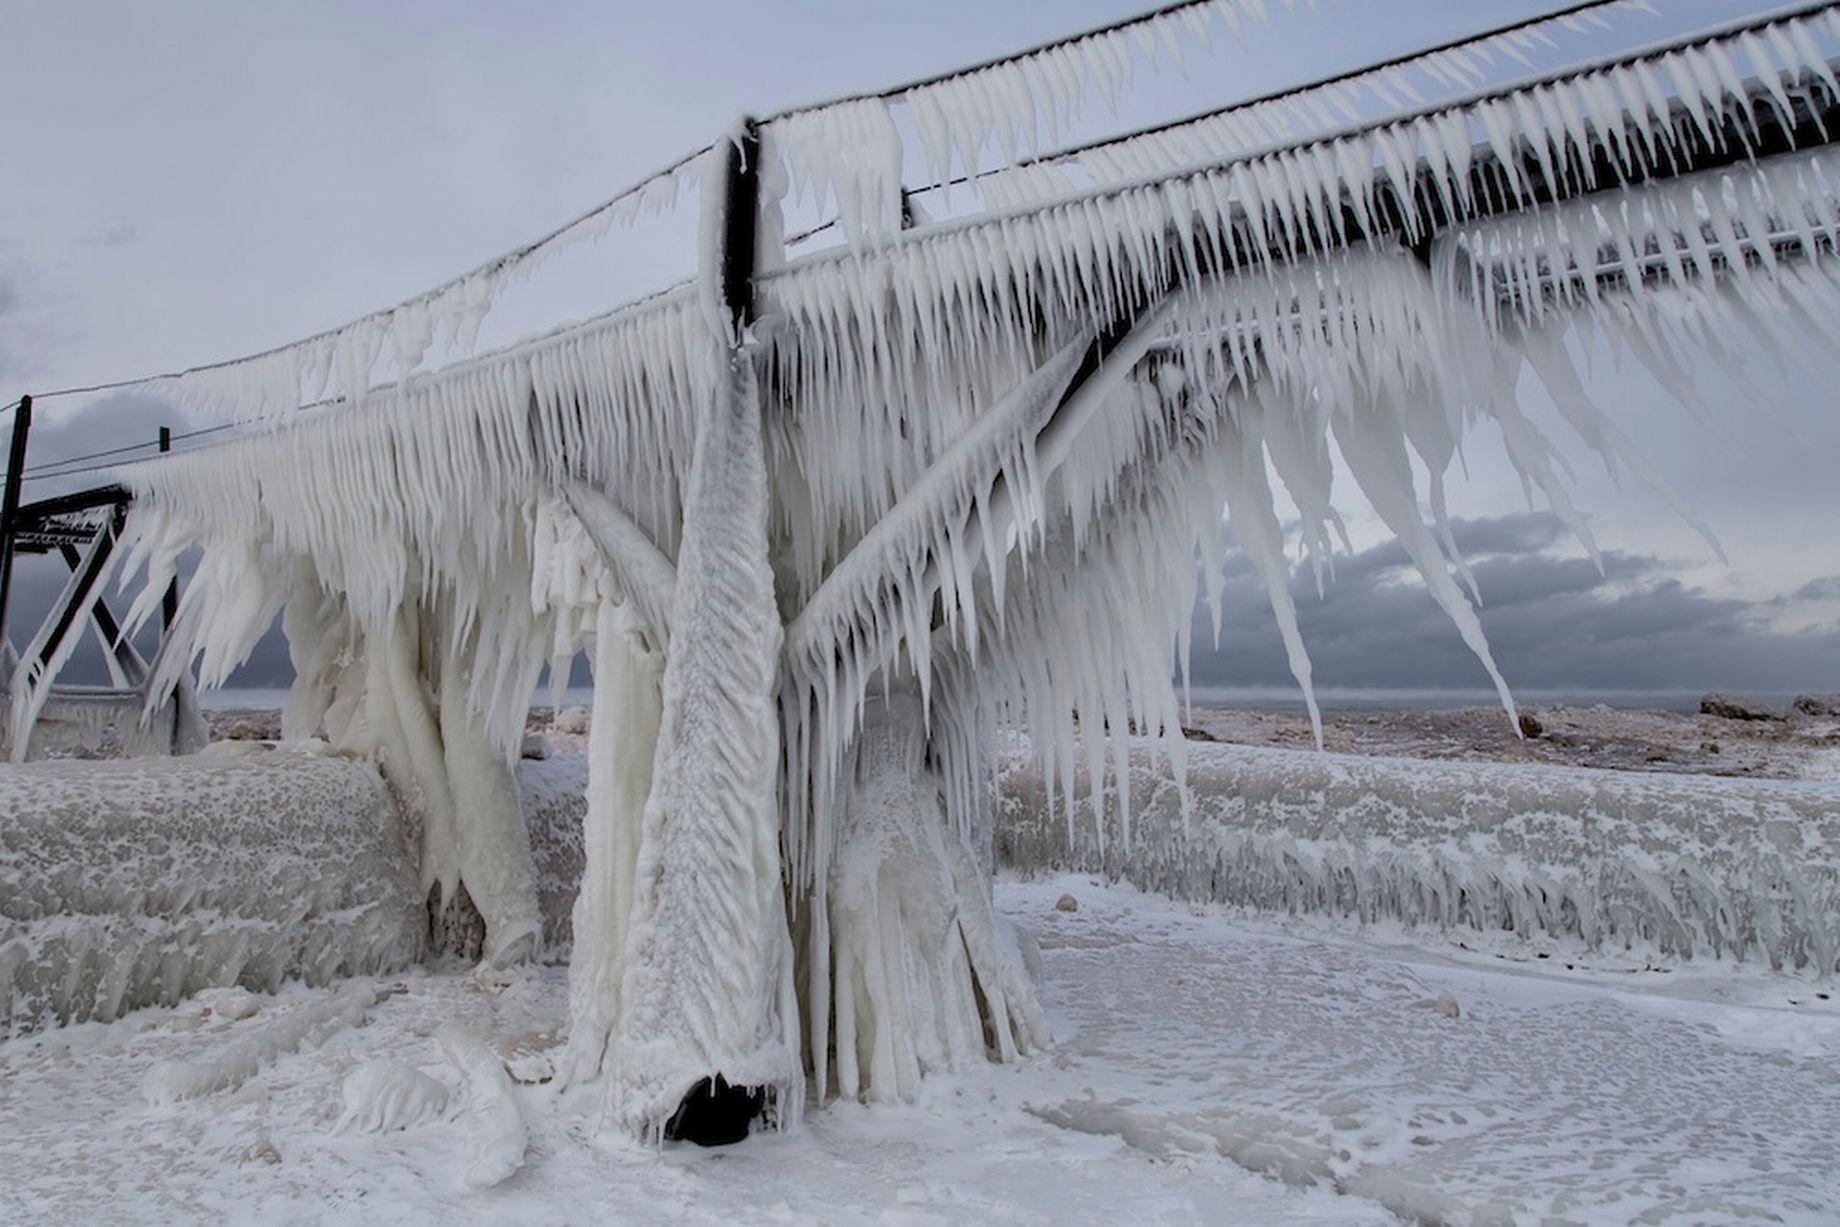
(499, 1134)
(905, 945)
(978, 461)
(1686, 867)
(380, 1096)
(707, 983)
(168, 1082)
(136, 883)
(1295, 116)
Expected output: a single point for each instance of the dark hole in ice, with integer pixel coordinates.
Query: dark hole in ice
(715, 1113)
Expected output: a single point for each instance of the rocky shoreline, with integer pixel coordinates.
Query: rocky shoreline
(1729, 736)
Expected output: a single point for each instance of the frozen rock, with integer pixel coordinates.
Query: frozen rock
(497, 1132)
(535, 746)
(1737, 707)
(261, 1151)
(1444, 1004)
(1818, 704)
(1066, 903)
(572, 720)
(234, 1003)
(229, 751)
(530, 1068)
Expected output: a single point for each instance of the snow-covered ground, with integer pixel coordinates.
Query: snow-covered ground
(1208, 1069)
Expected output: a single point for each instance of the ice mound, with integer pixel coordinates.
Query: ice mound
(380, 1096)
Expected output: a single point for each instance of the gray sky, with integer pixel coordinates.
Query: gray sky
(187, 181)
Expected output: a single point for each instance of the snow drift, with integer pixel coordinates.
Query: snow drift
(1687, 867)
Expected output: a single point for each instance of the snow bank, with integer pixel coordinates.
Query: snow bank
(131, 883)
(1689, 867)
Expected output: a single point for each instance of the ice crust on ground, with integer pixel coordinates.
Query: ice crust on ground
(1683, 866)
(255, 1046)
(1192, 1051)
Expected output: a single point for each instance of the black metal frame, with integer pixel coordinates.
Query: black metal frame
(82, 528)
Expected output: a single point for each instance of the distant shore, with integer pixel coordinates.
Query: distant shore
(1778, 742)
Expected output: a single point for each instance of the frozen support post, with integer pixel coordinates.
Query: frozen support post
(715, 1111)
(169, 602)
(740, 214)
(169, 612)
(9, 503)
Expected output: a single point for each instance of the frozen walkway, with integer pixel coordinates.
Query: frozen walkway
(1192, 1050)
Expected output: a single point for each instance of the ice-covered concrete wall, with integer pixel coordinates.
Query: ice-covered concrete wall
(132, 883)
(1689, 866)
(136, 882)
(554, 795)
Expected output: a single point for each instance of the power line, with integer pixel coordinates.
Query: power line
(98, 468)
(1277, 95)
(896, 91)
(1111, 190)
(500, 262)
(512, 257)
(44, 469)
(494, 265)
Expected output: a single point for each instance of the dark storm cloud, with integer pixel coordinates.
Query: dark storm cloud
(1824, 589)
(1553, 621)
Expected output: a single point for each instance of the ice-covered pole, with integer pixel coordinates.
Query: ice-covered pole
(709, 1023)
(9, 500)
